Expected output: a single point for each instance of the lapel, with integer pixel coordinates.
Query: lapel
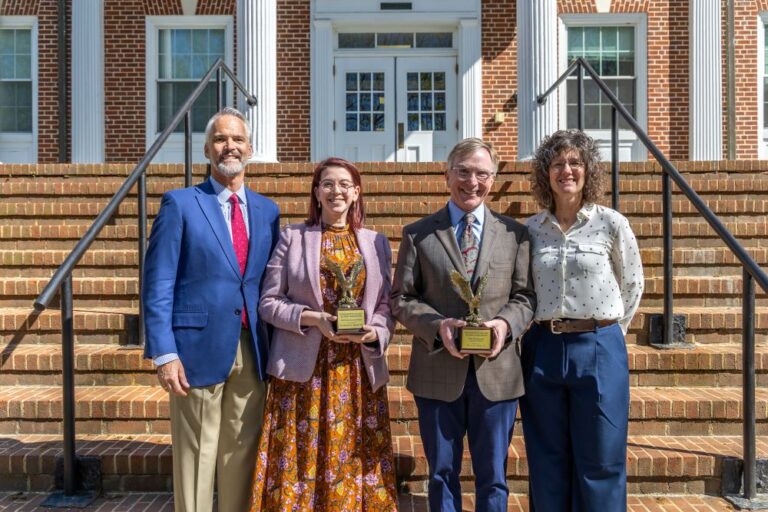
(313, 236)
(209, 204)
(444, 232)
(255, 233)
(490, 234)
(365, 244)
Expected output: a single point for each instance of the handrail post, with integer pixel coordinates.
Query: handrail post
(669, 318)
(748, 394)
(142, 248)
(580, 98)
(614, 159)
(188, 149)
(68, 383)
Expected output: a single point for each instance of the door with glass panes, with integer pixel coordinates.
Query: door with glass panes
(395, 108)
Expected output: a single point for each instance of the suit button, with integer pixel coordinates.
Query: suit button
(238, 312)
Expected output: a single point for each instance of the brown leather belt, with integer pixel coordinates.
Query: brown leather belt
(568, 325)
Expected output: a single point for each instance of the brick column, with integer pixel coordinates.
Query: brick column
(537, 71)
(706, 72)
(257, 69)
(87, 81)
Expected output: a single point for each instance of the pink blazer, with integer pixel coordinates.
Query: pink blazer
(292, 284)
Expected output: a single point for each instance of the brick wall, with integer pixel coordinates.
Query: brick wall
(745, 61)
(293, 81)
(499, 50)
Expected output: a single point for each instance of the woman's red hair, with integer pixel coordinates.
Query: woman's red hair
(356, 213)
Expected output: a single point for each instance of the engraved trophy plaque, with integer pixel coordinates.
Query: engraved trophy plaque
(473, 339)
(350, 318)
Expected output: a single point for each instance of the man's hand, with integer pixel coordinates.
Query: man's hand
(500, 329)
(172, 378)
(446, 329)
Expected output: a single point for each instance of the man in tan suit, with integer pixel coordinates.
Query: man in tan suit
(459, 394)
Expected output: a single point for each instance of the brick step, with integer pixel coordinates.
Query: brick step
(390, 206)
(655, 464)
(134, 409)
(708, 366)
(107, 324)
(163, 502)
(410, 184)
(60, 234)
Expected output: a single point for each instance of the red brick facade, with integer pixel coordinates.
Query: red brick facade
(124, 67)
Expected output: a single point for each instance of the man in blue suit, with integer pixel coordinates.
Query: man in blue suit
(207, 252)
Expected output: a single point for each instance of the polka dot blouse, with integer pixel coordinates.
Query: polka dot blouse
(593, 270)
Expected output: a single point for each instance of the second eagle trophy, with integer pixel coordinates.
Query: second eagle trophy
(473, 338)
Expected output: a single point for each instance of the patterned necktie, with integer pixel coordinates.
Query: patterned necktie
(469, 245)
(239, 240)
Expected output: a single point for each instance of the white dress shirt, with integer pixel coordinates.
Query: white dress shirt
(593, 270)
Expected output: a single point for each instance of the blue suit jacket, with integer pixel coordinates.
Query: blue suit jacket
(193, 293)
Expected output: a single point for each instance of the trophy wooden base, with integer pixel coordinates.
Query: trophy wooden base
(350, 321)
(475, 340)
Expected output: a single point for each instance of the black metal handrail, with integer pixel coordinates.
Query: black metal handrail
(751, 270)
(62, 278)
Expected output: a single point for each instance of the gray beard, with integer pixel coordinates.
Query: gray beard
(230, 170)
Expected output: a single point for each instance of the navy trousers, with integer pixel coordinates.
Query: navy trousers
(488, 427)
(575, 413)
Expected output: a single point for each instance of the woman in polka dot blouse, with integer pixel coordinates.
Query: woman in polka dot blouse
(589, 280)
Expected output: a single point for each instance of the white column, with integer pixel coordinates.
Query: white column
(321, 94)
(536, 72)
(706, 103)
(257, 70)
(470, 79)
(87, 81)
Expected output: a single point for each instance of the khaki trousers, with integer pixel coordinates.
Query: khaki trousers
(215, 431)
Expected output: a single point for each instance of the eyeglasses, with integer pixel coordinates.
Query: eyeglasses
(465, 174)
(330, 186)
(573, 164)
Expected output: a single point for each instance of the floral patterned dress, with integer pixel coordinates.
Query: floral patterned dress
(326, 444)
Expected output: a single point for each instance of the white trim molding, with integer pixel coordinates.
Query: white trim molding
(173, 149)
(537, 71)
(470, 79)
(88, 81)
(762, 147)
(257, 69)
(629, 144)
(706, 79)
(321, 90)
(21, 148)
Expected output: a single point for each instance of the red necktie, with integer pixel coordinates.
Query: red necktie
(239, 240)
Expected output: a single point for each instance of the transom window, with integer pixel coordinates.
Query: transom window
(365, 102)
(15, 80)
(184, 56)
(611, 52)
(426, 101)
(358, 40)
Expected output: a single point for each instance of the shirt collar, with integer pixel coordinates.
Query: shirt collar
(457, 214)
(223, 193)
(585, 213)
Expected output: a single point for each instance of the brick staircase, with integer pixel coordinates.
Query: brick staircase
(685, 412)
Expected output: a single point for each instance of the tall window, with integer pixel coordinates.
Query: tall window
(611, 52)
(184, 56)
(16, 81)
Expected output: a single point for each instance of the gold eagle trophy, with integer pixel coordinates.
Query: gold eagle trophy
(473, 338)
(350, 318)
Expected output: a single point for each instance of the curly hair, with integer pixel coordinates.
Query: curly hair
(554, 145)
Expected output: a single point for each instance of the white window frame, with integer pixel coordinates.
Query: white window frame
(762, 133)
(627, 138)
(173, 149)
(23, 145)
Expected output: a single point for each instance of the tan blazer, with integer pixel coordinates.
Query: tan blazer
(423, 295)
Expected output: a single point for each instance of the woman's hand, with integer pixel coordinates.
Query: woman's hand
(321, 320)
(369, 335)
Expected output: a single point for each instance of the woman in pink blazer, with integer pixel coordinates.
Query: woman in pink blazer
(326, 442)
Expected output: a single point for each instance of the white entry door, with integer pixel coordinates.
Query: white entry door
(395, 108)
